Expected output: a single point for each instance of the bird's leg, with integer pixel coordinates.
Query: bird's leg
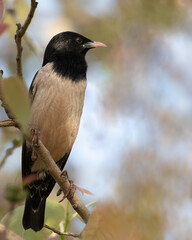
(34, 141)
(71, 190)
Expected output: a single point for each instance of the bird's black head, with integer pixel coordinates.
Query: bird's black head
(67, 51)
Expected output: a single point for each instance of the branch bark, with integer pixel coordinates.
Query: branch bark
(60, 233)
(8, 123)
(62, 180)
(19, 34)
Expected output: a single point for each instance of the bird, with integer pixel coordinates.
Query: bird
(57, 98)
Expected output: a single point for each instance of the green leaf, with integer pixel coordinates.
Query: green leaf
(15, 95)
(54, 214)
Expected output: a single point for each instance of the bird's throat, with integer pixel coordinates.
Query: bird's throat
(72, 67)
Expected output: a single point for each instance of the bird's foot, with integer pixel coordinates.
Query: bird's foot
(35, 134)
(71, 190)
(35, 142)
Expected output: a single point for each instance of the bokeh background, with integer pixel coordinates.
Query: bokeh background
(134, 145)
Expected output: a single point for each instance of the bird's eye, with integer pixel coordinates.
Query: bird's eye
(79, 40)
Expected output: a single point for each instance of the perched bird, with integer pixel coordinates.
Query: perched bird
(57, 97)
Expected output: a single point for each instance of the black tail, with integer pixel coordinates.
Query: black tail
(38, 191)
(34, 218)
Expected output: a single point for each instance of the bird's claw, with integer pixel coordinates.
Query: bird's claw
(35, 142)
(71, 190)
(35, 136)
(59, 192)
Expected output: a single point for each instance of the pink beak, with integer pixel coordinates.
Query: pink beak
(90, 45)
(98, 44)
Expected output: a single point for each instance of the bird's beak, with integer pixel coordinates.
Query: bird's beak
(94, 45)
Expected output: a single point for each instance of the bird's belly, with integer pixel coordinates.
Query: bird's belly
(58, 121)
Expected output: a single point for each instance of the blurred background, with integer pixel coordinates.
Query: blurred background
(134, 145)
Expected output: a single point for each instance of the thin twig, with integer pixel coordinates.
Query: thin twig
(8, 123)
(9, 151)
(20, 33)
(60, 233)
(11, 9)
(62, 180)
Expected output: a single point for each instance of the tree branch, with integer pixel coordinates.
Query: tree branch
(60, 233)
(8, 123)
(56, 173)
(11, 9)
(62, 180)
(20, 33)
